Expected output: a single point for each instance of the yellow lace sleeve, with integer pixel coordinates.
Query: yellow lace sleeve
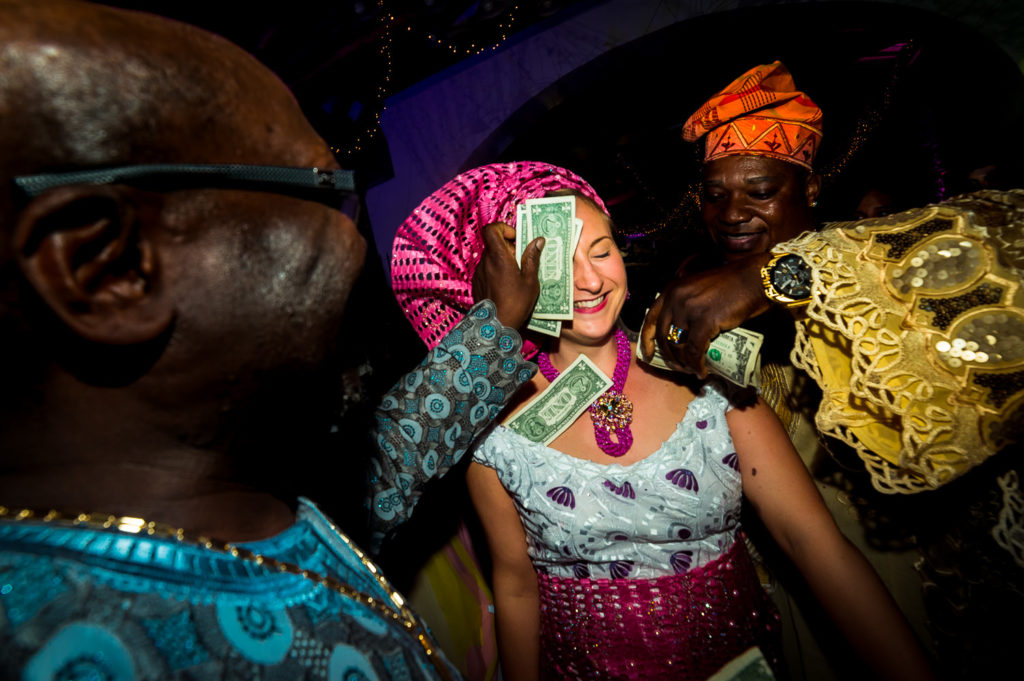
(915, 333)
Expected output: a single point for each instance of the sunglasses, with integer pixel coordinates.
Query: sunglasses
(333, 188)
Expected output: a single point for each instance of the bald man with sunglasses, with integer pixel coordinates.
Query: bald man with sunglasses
(177, 246)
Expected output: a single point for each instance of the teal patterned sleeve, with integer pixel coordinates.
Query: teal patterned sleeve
(427, 421)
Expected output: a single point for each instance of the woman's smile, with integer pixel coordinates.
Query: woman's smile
(591, 305)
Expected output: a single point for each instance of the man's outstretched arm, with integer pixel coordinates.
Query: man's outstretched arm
(428, 420)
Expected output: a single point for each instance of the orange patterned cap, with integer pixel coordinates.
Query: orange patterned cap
(760, 113)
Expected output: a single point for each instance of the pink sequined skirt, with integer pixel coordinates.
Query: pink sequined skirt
(675, 627)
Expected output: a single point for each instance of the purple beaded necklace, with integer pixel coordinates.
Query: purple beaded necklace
(612, 411)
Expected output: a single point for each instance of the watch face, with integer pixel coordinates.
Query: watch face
(792, 277)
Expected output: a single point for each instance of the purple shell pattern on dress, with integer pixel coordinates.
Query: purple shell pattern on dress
(732, 460)
(624, 490)
(683, 478)
(620, 569)
(562, 496)
(681, 561)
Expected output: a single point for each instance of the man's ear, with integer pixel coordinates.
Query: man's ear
(85, 252)
(812, 188)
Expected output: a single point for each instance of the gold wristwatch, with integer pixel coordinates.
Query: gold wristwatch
(787, 280)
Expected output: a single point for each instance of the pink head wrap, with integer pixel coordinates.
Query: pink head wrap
(438, 247)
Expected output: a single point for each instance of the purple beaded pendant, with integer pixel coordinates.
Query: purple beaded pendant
(612, 412)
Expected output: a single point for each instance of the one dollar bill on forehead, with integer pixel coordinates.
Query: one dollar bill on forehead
(735, 355)
(553, 218)
(550, 327)
(549, 414)
(522, 243)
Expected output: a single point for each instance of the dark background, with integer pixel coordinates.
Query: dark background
(913, 101)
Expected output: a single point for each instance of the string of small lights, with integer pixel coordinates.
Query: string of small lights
(504, 29)
(385, 50)
(679, 216)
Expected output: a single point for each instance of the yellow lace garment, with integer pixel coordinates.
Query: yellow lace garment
(915, 333)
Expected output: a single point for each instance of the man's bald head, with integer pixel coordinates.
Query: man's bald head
(88, 85)
(191, 331)
(84, 85)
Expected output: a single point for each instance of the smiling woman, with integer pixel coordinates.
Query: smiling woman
(634, 505)
(600, 279)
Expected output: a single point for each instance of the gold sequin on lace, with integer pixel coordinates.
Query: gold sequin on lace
(915, 332)
(899, 242)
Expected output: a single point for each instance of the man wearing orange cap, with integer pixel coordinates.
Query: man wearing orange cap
(760, 113)
(904, 321)
(915, 271)
(761, 138)
(761, 135)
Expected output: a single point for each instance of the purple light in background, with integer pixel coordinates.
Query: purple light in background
(890, 52)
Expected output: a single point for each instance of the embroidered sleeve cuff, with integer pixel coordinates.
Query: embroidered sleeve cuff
(428, 421)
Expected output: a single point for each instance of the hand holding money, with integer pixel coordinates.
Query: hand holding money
(499, 278)
(734, 355)
(704, 303)
(553, 218)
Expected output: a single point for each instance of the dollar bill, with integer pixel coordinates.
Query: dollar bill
(547, 415)
(750, 666)
(553, 218)
(520, 232)
(521, 223)
(735, 355)
(576, 237)
(553, 327)
(550, 327)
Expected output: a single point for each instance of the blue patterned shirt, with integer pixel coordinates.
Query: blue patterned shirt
(84, 604)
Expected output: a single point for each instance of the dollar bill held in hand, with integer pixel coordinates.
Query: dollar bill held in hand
(520, 232)
(553, 327)
(548, 415)
(735, 355)
(521, 223)
(553, 218)
(550, 327)
(750, 666)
